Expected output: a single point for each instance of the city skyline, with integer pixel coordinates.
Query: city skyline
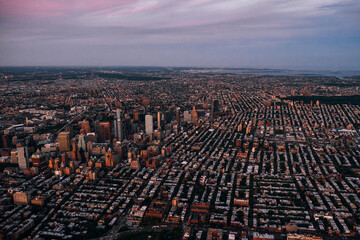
(178, 153)
(180, 120)
(314, 35)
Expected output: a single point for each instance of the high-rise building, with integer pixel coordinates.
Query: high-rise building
(22, 197)
(96, 124)
(70, 129)
(109, 159)
(14, 140)
(194, 115)
(214, 108)
(82, 142)
(104, 131)
(149, 129)
(136, 115)
(74, 153)
(5, 141)
(64, 141)
(23, 157)
(159, 120)
(119, 125)
(118, 113)
(135, 165)
(13, 158)
(215, 105)
(187, 116)
(39, 160)
(177, 115)
(86, 126)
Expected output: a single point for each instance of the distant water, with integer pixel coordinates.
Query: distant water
(286, 72)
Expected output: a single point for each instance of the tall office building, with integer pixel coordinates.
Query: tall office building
(22, 197)
(149, 129)
(119, 125)
(86, 126)
(214, 108)
(136, 115)
(194, 115)
(109, 159)
(13, 158)
(82, 142)
(159, 120)
(96, 124)
(39, 160)
(64, 141)
(23, 157)
(178, 115)
(187, 116)
(114, 128)
(104, 131)
(5, 141)
(215, 105)
(70, 130)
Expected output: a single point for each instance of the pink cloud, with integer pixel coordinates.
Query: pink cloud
(132, 8)
(54, 8)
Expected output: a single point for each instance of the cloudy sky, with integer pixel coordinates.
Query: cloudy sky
(298, 34)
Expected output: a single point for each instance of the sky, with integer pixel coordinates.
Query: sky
(295, 34)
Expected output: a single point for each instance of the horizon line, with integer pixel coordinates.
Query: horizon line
(195, 67)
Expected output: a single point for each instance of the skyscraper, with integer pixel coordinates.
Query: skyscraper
(187, 116)
(119, 125)
(178, 115)
(214, 108)
(86, 126)
(13, 158)
(104, 131)
(39, 160)
(215, 105)
(22, 197)
(109, 159)
(149, 129)
(136, 115)
(82, 142)
(194, 115)
(5, 141)
(159, 120)
(64, 141)
(23, 157)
